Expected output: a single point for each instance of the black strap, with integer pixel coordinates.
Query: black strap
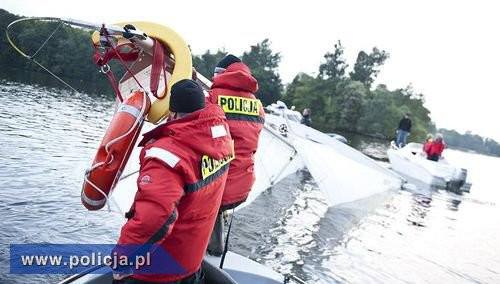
(130, 214)
(226, 245)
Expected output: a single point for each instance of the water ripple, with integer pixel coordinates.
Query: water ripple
(49, 137)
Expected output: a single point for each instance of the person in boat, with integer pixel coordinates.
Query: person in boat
(404, 129)
(428, 142)
(435, 148)
(306, 117)
(179, 189)
(234, 89)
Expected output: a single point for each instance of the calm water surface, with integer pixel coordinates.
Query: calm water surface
(50, 136)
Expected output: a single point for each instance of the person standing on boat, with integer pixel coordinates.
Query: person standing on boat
(306, 117)
(184, 166)
(436, 148)
(404, 129)
(233, 88)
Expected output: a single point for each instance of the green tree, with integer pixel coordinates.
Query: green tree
(206, 62)
(348, 105)
(335, 65)
(67, 54)
(306, 91)
(379, 113)
(366, 66)
(491, 147)
(264, 65)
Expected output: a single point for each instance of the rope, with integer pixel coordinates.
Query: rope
(226, 245)
(47, 40)
(105, 32)
(128, 175)
(31, 57)
(49, 19)
(55, 76)
(107, 149)
(137, 121)
(86, 178)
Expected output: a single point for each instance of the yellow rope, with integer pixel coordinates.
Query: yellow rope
(25, 20)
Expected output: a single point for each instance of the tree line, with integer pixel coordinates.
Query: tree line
(67, 54)
(471, 141)
(346, 101)
(340, 100)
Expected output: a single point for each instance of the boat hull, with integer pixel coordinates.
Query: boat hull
(237, 269)
(411, 162)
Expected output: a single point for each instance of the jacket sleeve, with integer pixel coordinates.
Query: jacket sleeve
(160, 189)
(441, 148)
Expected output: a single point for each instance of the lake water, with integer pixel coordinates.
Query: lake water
(49, 137)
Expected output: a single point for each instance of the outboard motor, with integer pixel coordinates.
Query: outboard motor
(458, 180)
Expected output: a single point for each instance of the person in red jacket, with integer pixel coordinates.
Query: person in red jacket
(435, 149)
(184, 166)
(233, 88)
(428, 142)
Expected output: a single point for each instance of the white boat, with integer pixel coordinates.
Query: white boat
(237, 270)
(411, 162)
(280, 109)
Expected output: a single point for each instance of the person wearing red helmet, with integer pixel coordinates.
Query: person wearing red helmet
(184, 166)
(234, 89)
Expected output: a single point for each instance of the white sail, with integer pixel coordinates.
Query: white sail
(341, 178)
(342, 173)
(300, 130)
(275, 159)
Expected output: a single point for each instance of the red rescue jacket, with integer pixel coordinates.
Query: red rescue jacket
(427, 147)
(435, 148)
(234, 90)
(180, 189)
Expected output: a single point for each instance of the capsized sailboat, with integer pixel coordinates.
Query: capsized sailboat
(342, 173)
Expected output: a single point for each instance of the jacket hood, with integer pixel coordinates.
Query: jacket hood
(204, 131)
(237, 77)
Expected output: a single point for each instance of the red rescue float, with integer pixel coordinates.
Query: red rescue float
(114, 151)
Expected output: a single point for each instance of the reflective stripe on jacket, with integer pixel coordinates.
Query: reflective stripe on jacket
(184, 166)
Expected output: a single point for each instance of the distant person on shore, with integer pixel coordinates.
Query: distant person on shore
(435, 148)
(404, 129)
(306, 117)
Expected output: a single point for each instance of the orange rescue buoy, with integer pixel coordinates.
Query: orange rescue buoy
(114, 151)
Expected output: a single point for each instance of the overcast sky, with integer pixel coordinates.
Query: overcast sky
(448, 50)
